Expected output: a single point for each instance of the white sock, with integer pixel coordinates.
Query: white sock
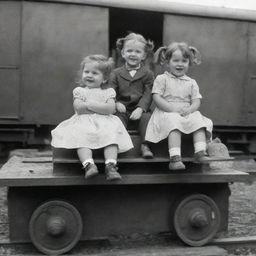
(90, 160)
(110, 161)
(174, 151)
(200, 146)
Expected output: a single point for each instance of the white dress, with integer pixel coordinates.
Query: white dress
(179, 91)
(92, 130)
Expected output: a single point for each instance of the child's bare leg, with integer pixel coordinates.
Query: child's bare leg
(110, 154)
(199, 138)
(145, 148)
(174, 139)
(174, 143)
(85, 156)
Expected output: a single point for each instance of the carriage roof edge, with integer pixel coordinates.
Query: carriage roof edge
(168, 7)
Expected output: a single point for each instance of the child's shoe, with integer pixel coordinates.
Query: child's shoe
(111, 172)
(146, 152)
(201, 157)
(176, 163)
(90, 170)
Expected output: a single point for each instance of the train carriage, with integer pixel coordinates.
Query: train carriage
(42, 43)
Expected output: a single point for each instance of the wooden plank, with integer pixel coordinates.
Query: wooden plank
(234, 130)
(17, 173)
(74, 169)
(159, 149)
(139, 160)
(30, 153)
(187, 178)
(38, 160)
(234, 240)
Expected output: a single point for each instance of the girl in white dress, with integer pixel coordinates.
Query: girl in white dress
(177, 100)
(93, 125)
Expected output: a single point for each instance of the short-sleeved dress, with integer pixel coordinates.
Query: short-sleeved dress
(179, 91)
(92, 130)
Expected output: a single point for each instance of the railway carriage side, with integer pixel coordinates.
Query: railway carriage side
(43, 42)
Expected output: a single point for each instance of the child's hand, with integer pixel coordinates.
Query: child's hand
(120, 107)
(185, 112)
(84, 110)
(174, 108)
(136, 114)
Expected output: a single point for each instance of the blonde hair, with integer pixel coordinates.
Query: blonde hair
(104, 64)
(164, 53)
(149, 45)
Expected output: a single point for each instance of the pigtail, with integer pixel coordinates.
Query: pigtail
(149, 46)
(108, 67)
(195, 55)
(120, 43)
(160, 55)
(111, 63)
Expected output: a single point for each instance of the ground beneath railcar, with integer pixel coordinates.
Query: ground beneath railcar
(242, 222)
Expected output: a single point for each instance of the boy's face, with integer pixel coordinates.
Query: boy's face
(133, 52)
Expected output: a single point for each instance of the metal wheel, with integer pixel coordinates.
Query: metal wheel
(55, 227)
(196, 219)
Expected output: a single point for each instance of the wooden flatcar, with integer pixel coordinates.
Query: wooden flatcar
(43, 42)
(52, 205)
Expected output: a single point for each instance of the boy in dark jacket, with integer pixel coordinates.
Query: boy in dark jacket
(133, 84)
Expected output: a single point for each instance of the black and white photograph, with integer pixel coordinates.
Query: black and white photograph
(128, 127)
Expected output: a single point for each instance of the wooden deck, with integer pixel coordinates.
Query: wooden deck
(38, 171)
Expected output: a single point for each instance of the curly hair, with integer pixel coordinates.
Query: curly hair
(104, 64)
(164, 53)
(149, 45)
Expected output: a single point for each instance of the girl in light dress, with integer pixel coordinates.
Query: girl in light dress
(93, 125)
(177, 100)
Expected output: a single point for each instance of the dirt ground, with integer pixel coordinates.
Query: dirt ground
(242, 222)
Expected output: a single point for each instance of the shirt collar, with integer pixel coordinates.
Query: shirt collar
(132, 68)
(184, 77)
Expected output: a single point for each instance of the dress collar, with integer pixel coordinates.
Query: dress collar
(184, 77)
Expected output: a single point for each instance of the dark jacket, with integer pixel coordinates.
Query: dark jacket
(134, 91)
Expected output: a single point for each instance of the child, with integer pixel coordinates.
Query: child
(93, 125)
(133, 84)
(177, 100)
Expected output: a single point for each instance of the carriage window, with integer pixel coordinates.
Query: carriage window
(122, 21)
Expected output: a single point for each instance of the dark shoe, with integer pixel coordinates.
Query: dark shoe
(201, 157)
(111, 172)
(90, 170)
(176, 163)
(146, 152)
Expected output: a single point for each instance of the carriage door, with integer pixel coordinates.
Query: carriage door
(221, 75)
(122, 21)
(55, 38)
(9, 59)
(250, 86)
